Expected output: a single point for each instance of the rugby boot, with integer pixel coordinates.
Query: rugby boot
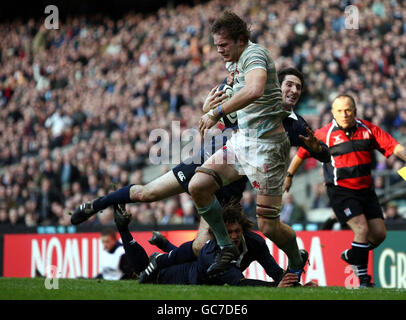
(158, 240)
(149, 275)
(365, 281)
(222, 260)
(344, 257)
(83, 213)
(305, 259)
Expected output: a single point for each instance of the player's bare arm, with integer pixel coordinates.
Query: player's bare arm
(400, 152)
(294, 165)
(254, 89)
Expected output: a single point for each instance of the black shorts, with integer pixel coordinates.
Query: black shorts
(349, 203)
(184, 173)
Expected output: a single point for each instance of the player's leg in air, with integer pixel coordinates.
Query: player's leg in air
(136, 256)
(161, 188)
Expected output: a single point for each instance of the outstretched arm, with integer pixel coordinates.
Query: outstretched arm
(400, 152)
(288, 280)
(316, 148)
(294, 165)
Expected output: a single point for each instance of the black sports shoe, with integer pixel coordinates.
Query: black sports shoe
(121, 217)
(150, 274)
(222, 260)
(365, 281)
(305, 260)
(158, 240)
(345, 258)
(82, 213)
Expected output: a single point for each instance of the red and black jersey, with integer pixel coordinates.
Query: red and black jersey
(351, 155)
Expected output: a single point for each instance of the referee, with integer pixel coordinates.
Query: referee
(348, 179)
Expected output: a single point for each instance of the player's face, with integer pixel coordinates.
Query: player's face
(229, 49)
(291, 90)
(108, 242)
(235, 232)
(343, 113)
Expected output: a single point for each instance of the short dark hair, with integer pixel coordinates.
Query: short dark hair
(108, 232)
(290, 71)
(349, 97)
(232, 213)
(232, 25)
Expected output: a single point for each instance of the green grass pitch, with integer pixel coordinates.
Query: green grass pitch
(81, 289)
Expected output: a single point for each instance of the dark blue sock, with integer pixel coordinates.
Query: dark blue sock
(120, 196)
(136, 256)
(177, 256)
(169, 247)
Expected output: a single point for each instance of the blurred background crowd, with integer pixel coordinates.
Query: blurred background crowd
(77, 104)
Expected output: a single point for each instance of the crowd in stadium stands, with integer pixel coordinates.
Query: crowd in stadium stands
(77, 104)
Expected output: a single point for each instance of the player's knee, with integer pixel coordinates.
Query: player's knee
(378, 238)
(203, 183)
(195, 187)
(269, 212)
(139, 193)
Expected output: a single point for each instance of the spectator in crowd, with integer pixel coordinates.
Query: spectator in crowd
(46, 197)
(392, 215)
(320, 196)
(291, 212)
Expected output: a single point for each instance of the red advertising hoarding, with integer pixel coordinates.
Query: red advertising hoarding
(77, 255)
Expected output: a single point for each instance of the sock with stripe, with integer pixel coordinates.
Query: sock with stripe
(169, 247)
(358, 256)
(213, 214)
(120, 196)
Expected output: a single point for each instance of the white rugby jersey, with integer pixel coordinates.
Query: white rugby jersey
(265, 113)
(110, 263)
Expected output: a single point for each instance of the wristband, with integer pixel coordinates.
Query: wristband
(289, 175)
(220, 111)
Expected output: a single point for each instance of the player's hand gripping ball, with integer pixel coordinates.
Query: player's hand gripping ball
(229, 120)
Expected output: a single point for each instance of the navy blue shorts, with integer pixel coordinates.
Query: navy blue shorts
(184, 173)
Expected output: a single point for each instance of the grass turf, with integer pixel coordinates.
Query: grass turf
(82, 289)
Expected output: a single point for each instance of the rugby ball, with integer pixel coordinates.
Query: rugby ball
(229, 120)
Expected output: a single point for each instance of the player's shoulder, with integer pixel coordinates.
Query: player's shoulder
(324, 129)
(366, 123)
(255, 49)
(253, 237)
(299, 119)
